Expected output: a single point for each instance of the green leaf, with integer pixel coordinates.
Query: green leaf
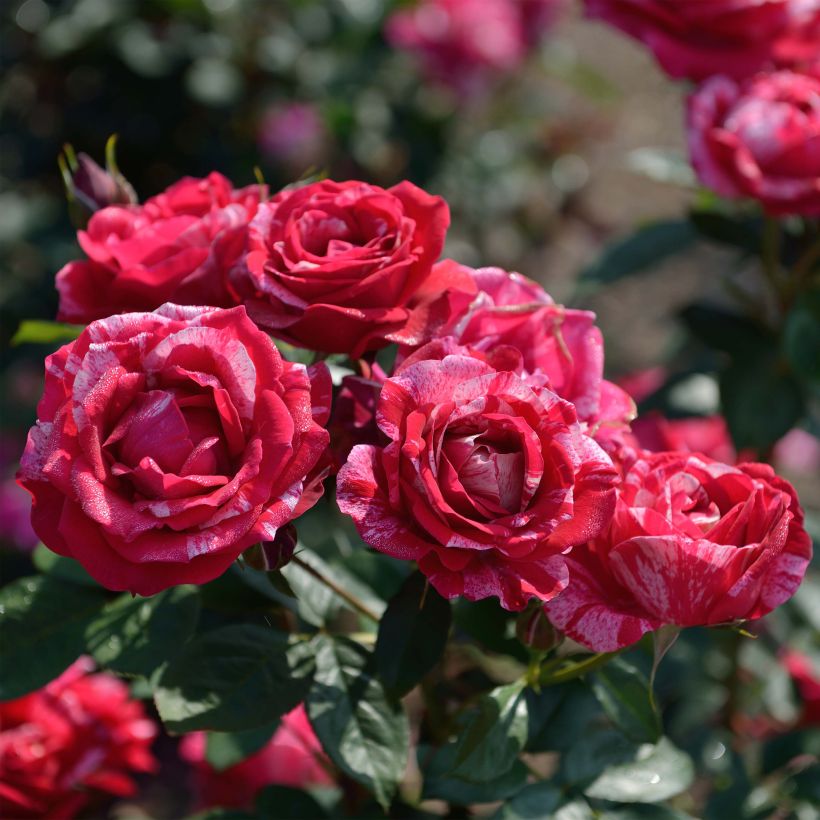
(597, 750)
(623, 691)
(656, 773)
(282, 801)
(38, 331)
(440, 785)
(226, 749)
(801, 336)
(493, 735)
(727, 332)
(761, 402)
(135, 636)
(727, 229)
(42, 623)
(645, 248)
(363, 731)
(559, 714)
(538, 801)
(411, 636)
(234, 678)
(61, 567)
(644, 811)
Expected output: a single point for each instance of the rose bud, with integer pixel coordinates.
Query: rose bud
(269, 556)
(533, 629)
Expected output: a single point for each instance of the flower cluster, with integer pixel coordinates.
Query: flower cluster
(754, 122)
(494, 453)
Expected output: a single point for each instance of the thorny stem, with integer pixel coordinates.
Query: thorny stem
(352, 600)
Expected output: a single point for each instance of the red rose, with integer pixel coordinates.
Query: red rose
(561, 344)
(346, 267)
(699, 39)
(807, 680)
(177, 247)
(167, 442)
(486, 481)
(760, 139)
(79, 736)
(293, 757)
(692, 542)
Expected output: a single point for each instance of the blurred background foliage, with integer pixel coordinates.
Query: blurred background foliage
(544, 169)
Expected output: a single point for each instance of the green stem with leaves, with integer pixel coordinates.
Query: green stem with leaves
(561, 670)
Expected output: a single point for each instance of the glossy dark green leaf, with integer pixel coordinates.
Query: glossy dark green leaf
(493, 735)
(363, 731)
(234, 678)
(42, 624)
(644, 811)
(657, 772)
(558, 715)
(593, 752)
(760, 400)
(294, 804)
(411, 636)
(436, 766)
(646, 247)
(538, 801)
(728, 229)
(623, 692)
(226, 749)
(135, 636)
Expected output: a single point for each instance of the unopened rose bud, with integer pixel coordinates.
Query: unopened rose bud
(90, 187)
(272, 555)
(534, 630)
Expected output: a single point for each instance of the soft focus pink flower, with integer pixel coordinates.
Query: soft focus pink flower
(760, 139)
(294, 134)
(692, 542)
(176, 247)
(66, 744)
(465, 43)
(347, 267)
(293, 757)
(168, 442)
(486, 481)
(700, 38)
(807, 680)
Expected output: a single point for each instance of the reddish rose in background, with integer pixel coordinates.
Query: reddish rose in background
(293, 134)
(168, 442)
(347, 267)
(487, 480)
(807, 680)
(699, 39)
(760, 139)
(66, 745)
(561, 344)
(293, 757)
(178, 246)
(692, 542)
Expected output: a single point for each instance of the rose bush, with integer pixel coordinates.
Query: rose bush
(77, 739)
(176, 247)
(347, 267)
(692, 542)
(760, 139)
(167, 442)
(292, 757)
(699, 39)
(487, 480)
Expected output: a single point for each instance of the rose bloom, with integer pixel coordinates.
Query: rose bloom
(293, 757)
(760, 139)
(178, 247)
(168, 442)
(562, 344)
(699, 38)
(71, 743)
(487, 479)
(692, 542)
(461, 43)
(806, 678)
(347, 267)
